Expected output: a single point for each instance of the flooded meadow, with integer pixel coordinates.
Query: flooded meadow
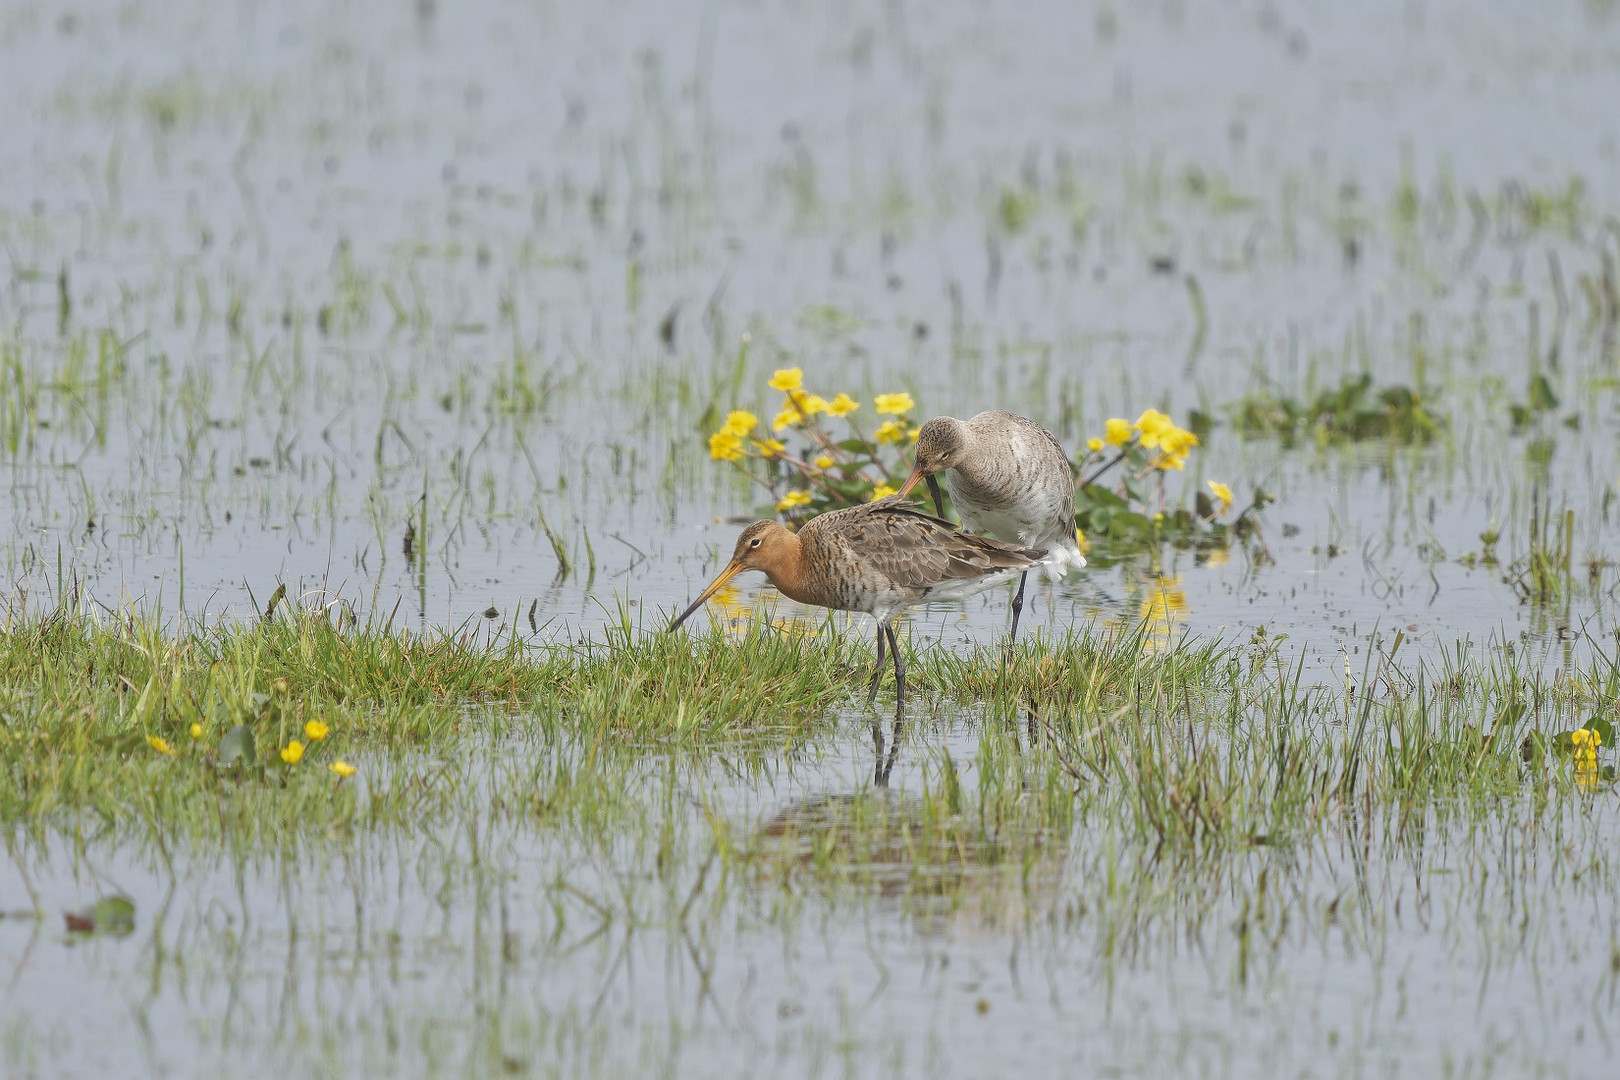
(361, 367)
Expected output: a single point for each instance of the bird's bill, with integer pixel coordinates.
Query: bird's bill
(933, 488)
(733, 568)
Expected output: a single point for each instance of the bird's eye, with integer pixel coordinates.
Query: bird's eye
(754, 543)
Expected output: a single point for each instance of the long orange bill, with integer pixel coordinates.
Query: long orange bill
(933, 489)
(733, 568)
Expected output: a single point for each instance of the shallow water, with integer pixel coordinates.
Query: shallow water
(335, 270)
(500, 944)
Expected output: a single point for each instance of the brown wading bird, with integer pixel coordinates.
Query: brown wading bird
(1008, 477)
(879, 557)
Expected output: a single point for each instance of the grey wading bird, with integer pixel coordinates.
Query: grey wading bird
(1008, 477)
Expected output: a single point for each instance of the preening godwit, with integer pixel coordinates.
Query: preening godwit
(1008, 477)
(880, 557)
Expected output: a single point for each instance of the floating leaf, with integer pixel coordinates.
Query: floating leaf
(113, 915)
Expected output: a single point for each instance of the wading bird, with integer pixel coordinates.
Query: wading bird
(880, 557)
(1008, 477)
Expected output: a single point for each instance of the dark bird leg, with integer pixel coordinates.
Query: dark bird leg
(885, 763)
(885, 766)
(877, 675)
(899, 674)
(1018, 606)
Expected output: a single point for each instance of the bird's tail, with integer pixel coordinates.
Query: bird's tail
(1060, 559)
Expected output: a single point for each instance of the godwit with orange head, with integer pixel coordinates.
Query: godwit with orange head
(880, 557)
(1008, 477)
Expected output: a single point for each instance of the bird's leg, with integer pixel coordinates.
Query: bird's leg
(899, 674)
(877, 675)
(885, 766)
(1018, 606)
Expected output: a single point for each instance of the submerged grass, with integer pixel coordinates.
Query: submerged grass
(187, 733)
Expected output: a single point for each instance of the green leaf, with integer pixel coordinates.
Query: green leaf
(115, 915)
(1604, 729)
(237, 748)
(1542, 397)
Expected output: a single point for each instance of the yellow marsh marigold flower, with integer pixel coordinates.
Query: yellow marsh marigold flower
(810, 404)
(842, 405)
(316, 730)
(1154, 426)
(160, 744)
(1094, 444)
(788, 417)
(786, 379)
(724, 446)
(1080, 538)
(771, 448)
(196, 730)
(293, 752)
(912, 433)
(825, 461)
(882, 491)
(1175, 443)
(343, 769)
(792, 499)
(890, 431)
(1222, 493)
(894, 404)
(1117, 432)
(740, 422)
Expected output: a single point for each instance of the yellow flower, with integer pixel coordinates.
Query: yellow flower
(316, 730)
(1094, 444)
(343, 769)
(292, 752)
(1117, 432)
(1080, 538)
(740, 422)
(770, 447)
(912, 433)
(792, 499)
(724, 446)
(882, 491)
(786, 418)
(825, 461)
(842, 405)
(1154, 426)
(160, 744)
(1222, 493)
(811, 404)
(890, 431)
(196, 730)
(785, 379)
(895, 404)
(1175, 442)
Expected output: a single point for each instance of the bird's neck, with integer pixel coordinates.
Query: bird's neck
(790, 573)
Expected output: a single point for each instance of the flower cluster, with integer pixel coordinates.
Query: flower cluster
(237, 744)
(1153, 431)
(1122, 503)
(824, 470)
(1123, 497)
